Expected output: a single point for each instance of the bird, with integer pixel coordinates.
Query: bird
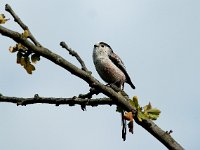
(112, 70)
(109, 66)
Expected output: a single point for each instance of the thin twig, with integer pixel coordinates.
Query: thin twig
(75, 54)
(90, 93)
(22, 25)
(57, 101)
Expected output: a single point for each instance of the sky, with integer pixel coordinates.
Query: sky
(159, 44)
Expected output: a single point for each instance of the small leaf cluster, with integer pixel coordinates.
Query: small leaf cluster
(146, 112)
(3, 19)
(142, 113)
(24, 56)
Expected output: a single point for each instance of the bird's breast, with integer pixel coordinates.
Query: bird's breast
(108, 71)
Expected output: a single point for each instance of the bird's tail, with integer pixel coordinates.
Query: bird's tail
(131, 84)
(128, 80)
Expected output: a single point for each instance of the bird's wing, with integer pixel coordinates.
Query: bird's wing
(119, 63)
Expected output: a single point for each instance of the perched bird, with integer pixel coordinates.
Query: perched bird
(109, 66)
(112, 70)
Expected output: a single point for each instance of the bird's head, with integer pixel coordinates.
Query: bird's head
(103, 48)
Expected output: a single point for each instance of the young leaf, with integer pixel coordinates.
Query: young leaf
(132, 103)
(27, 61)
(23, 62)
(141, 116)
(154, 111)
(147, 107)
(128, 116)
(21, 47)
(29, 68)
(12, 49)
(2, 19)
(25, 34)
(135, 101)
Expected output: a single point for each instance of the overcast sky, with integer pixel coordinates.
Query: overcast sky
(159, 44)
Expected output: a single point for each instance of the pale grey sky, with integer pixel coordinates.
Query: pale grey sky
(159, 44)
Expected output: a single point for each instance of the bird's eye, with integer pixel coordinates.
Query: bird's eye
(102, 45)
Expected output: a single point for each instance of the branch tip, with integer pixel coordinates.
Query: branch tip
(75, 54)
(7, 7)
(64, 45)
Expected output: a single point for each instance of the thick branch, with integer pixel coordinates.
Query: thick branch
(163, 136)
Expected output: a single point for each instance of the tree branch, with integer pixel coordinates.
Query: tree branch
(89, 94)
(117, 98)
(60, 61)
(57, 101)
(75, 54)
(22, 25)
(147, 124)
